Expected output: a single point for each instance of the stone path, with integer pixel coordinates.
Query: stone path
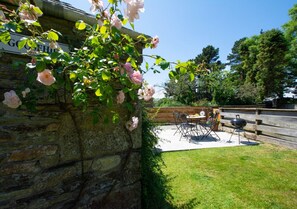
(168, 141)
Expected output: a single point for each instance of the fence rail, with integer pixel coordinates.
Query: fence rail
(165, 114)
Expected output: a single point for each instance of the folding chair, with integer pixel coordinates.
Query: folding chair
(177, 123)
(209, 127)
(188, 129)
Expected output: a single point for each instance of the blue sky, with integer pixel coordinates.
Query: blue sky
(186, 27)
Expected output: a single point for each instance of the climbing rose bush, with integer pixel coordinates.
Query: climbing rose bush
(106, 62)
(105, 65)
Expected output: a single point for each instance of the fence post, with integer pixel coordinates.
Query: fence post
(257, 122)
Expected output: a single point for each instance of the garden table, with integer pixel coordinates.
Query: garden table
(197, 119)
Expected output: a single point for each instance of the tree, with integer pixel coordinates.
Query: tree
(223, 89)
(207, 62)
(209, 57)
(290, 32)
(242, 60)
(236, 60)
(188, 91)
(182, 90)
(271, 63)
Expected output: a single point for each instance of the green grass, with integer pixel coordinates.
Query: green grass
(246, 177)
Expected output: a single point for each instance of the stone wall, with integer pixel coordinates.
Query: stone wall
(57, 157)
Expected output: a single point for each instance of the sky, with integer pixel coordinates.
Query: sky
(186, 27)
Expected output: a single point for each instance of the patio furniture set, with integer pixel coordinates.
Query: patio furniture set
(198, 125)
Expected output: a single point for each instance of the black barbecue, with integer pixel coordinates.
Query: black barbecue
(238, 124)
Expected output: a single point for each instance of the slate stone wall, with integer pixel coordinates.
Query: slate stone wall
(57, 157)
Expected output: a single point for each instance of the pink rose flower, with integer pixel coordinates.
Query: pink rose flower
(149, 90)
(53, 45)
(96, 5)
(129, 69)
(28, 14)
(2, 15)
(146, 93)
(116, 22)
(11, 99)
(140, 94)
(136, 77)
(116, 69)
(120, 97)
(100, 22)
(132, 124)
(155, 42)
(45, 77)
(133, 9)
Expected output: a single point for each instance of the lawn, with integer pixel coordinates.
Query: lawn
(248, 177)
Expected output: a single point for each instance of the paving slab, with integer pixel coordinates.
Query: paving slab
(170, 140)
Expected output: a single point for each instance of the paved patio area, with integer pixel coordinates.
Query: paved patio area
(168, 141)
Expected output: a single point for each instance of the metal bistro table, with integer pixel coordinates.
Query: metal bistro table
(197, 120)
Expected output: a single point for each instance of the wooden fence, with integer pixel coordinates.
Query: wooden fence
(277, 126)
(165, 114)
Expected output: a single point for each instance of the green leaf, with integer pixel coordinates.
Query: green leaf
(146, 65)
(103, 30)
(11, 26)
(133, 64)
(98, 93)
(183, 70)
(37, 10)
(164, 65)
(129, 107)
(5, 37)
(132, 25)
(40, 66)
(54, 56)
(22, 43)
(125, 21)
(95, 41)
(72, 76)
(172, 74)
(121, 17)
(132, 95)
(53, 36)
(112, 1)
(115, 118)
(192, 76)
(80, 25)
(31, 44)
(142, 37)
(159, 60)
(37, 24)
(105, 76)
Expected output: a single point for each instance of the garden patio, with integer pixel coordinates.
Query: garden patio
(171, 141)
